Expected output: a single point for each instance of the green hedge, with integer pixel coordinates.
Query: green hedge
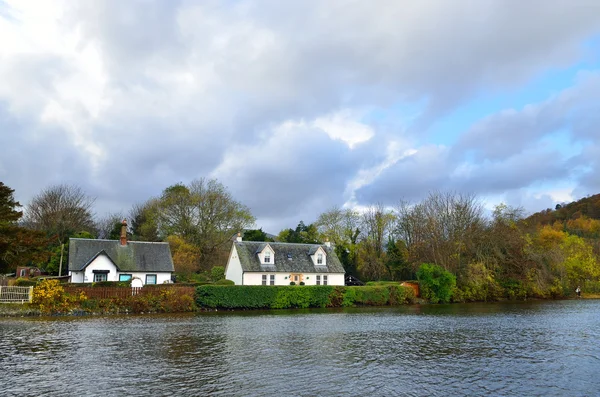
(285, 297)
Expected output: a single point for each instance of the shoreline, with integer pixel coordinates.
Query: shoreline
(9, 310)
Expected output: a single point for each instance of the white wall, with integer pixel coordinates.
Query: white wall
(102, 262)
(261, 255)
(314, 257)
(255, 278)
(233, 270)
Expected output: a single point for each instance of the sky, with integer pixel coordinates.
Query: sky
(300, 106)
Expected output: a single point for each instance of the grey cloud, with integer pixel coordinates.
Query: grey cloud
(190, 85)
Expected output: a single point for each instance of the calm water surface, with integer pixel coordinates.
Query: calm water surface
(520, 349)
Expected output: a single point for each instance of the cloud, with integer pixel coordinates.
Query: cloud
(126, 98)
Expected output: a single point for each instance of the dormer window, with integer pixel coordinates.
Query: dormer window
(319, 258)
(268, 257)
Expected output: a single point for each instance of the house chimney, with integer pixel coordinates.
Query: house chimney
(124, 232)
(239, 238)
(327, 243)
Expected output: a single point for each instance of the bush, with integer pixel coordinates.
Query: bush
(435, 283)
(292, 283)
(284, 297)
(217, 273)
(50, 297)
(224, 281)
(302, 283)
(111, 284)
(25, 282)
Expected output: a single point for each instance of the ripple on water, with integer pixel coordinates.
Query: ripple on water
(545, 348)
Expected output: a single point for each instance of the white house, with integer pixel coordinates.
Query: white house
(119, 260)
(269, 263)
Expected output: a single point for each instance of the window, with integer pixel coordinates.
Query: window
(100, 277)
(324, 280)
(124, 277)
(272, 279)
(318, 280)
(268, 257)
(295, 278)
(319, 258)
(150, 278)
(23, 271)
(264, 279)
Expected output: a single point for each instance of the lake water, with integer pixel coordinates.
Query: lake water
(519, 349)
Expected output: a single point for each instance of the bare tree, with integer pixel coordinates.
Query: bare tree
(60, 211)
(108, 225)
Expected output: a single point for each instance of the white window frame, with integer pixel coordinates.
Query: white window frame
(99, 277)
(264, 279)
(324, 279)
(271, 279)
(267, 258)
(155, 279)
(318, 279)
(319, 258)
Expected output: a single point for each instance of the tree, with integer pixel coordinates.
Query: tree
(436, 284)
(18, 246)
(144, 224)
(60, 211)
(341, 226)
(8, 206)
(204, 214)
(256, 235)
(109, 226)
(303, 234)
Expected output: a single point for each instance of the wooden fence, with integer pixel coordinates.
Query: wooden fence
(125, 292)
(12, 294)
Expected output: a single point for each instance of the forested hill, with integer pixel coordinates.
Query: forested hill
(586, 208)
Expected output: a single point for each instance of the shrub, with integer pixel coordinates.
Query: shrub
(217, 273)
(111, 284)
(25, 282)
(302, 283)
(50, 297)
(435, 283)
(292, 283)
(224, 281)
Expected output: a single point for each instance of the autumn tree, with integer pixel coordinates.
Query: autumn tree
(204, 214)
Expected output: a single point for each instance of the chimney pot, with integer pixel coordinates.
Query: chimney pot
(239, 237)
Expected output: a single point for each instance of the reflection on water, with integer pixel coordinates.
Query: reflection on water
(539, 348)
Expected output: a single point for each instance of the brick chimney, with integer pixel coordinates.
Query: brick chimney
(124, 232)
(239, 238)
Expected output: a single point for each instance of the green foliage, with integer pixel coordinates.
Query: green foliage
(236, 297)
(477, 284)
(284, 297)
(435, 283)
(224, 281)
(217, 273)
(302, 234)
(256, 235)
(25, 282)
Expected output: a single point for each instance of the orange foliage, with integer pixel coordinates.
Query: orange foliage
(186, 257)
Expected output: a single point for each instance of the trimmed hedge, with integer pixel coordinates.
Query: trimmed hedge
(286, 297)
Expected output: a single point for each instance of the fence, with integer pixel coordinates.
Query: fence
(125, 292)
(15, 294)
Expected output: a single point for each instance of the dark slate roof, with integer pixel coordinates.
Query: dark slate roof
(136, 256)
(300, 261)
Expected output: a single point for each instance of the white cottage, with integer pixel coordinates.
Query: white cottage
(270, 263)
(119, 260)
